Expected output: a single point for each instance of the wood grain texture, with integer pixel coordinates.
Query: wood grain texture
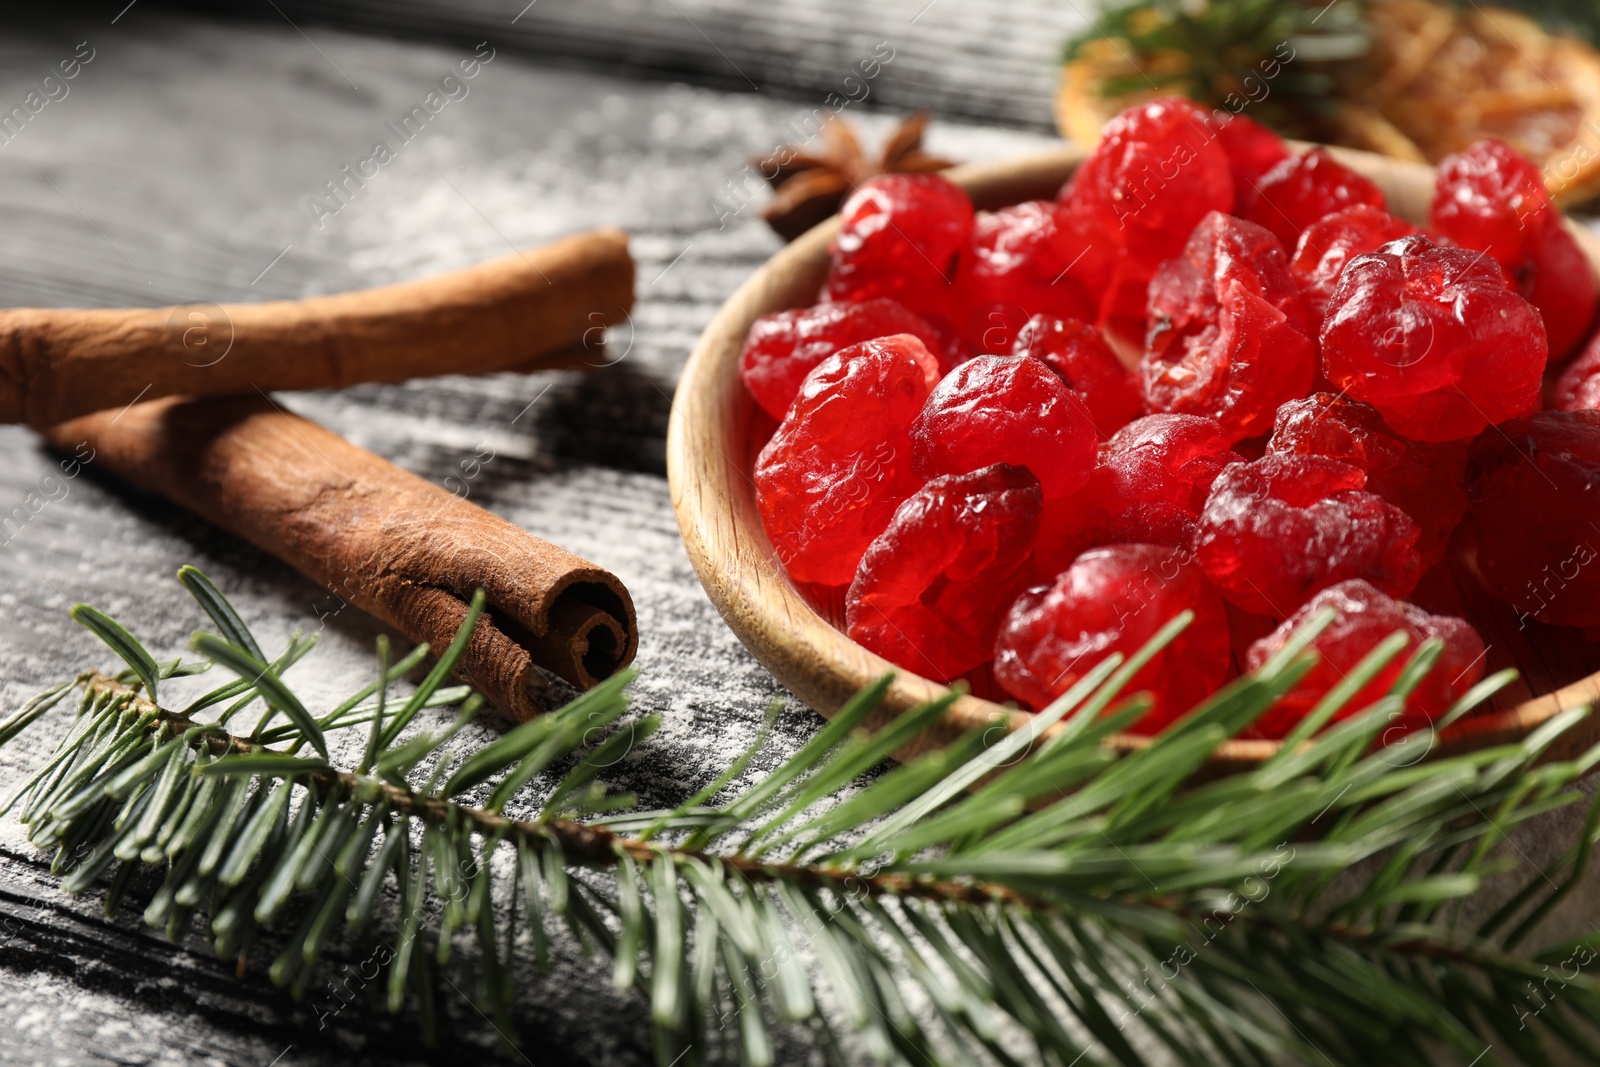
(525, 311)
(717, 430)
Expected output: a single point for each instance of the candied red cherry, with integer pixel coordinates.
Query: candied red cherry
(1423, 480)
(1302, 189)
(898, 238)
(1009, 272)
(1076, 351)
(830, 478)
(1152, 478)
(1578, 388)
(1115, 599)
(1155, 174)
(1227, 335)
(1434, 339)
(1005, 409)
(1366, 616)
(931, 589)
(1534, 487)
(781, 348)
(1333, 241)
(1278, 530)
(1491, 199)
(1252, 150)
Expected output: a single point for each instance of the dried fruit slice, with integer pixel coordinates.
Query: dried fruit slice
(1278, 530)
(830, 478)
(1366, 616)
(1006, 409)
(1423, 480)
(1534, 487)
(1114, 599)
(1227, 335)
(1076, 351)
(781, 348)
(1434, 339)
(932, 587)
(1490, 199)
(1304, 188)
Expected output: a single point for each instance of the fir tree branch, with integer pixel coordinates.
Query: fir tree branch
(1036, 886)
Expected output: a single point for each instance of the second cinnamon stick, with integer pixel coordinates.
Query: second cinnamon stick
(505, 314)
(391, 543)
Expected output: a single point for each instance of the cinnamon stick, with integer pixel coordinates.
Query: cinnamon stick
(509, 313)
(387, 541)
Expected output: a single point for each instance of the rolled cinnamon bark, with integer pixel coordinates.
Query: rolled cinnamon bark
(508, 313)
(387, 541)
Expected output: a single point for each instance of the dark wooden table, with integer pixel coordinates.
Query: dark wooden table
(178, 168)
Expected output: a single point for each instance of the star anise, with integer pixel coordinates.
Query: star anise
(810, 186)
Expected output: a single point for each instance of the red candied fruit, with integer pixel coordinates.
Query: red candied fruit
(1434, 339)
(1423, 480)
(1005, 409)
(1076, 351)
(1009, 271)
(931, 590)
(1534, 487)
(1333, 241)
(1278, 530)
(781, 348)
(1251, 148)
(1155, 174)
(1152, 479)
(898, 237)
(1115, 599)
(1491, 199)
(1227, 335)
(1302, 189)
(830, 478)
(1578, 388)
(1366, 616)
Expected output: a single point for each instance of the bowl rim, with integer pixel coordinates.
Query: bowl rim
(713, 499)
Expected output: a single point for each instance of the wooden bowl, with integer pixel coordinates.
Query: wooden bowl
(717, 430)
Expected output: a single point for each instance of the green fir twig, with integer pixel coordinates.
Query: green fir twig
(1031, 896)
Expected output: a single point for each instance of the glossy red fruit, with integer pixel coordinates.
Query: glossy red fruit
(931, 589)
(1149, 485)
(898, 238)
(1333, 241)
(1423, 480)
(781, 348)
(1578, 388)
(1005, 409)
(1366, 616)
(1280, 529)
(1115, 599)
(1227, 336)
(1491, 199)
(1252, 150)
(1009, 272)
(1534, 487)
(1304, 188)
(1156, 173)
(830, 478)
(1076, 351)
(1434, 339)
